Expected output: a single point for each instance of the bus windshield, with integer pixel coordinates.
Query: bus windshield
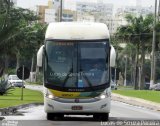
(76, 64)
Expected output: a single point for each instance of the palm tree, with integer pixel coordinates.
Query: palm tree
(138, 32)
(124, 52)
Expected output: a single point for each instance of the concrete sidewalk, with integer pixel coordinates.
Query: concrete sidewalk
(35, 87)
(136, 101)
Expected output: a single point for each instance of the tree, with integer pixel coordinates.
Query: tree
(138, 32)
(5, 31)
(18, 24)
(127, 52)
(34, 38)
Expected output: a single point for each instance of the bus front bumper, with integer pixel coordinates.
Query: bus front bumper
(100, 106)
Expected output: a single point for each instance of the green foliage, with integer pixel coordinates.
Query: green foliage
(30, 96)
(144, 94)
(40, 79)
(32, 39)
(137, 35)
(11, 71)
(139, 29)
(20, 34)
(5, 88)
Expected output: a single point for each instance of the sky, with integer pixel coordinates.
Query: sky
(71, 3)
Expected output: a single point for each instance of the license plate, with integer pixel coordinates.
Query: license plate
(77, 108)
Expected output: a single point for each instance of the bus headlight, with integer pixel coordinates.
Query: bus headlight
(102, 96)
(48, 94)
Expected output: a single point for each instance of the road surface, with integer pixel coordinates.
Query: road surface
(120, 113)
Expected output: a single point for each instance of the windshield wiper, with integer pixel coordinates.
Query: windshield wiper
(70, 71)
(85, 77)
(67, 77)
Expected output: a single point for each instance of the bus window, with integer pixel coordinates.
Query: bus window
(68, 64)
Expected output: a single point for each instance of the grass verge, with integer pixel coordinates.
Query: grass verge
(14, 98)
(149, 95)
(34, 83)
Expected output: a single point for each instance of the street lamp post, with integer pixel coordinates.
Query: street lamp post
(158, 10)
(153, 47)
(125, 73)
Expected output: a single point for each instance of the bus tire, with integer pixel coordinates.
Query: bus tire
(50, 116)
(101, 116)
(105, 117)
(60, 116)
(54, 116)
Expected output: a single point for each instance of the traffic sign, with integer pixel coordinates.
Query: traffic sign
(23, 71)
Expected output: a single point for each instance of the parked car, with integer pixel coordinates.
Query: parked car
(113, 85)
(15, 81)
(155, 87)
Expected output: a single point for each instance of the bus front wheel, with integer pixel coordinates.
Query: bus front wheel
(54, 116)
(101, 116)
(50, 116)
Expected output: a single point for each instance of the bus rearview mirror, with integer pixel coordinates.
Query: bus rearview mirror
(40, 56)
(112, 57)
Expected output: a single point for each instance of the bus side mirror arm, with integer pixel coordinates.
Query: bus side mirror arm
(40, 56)
(112, 57)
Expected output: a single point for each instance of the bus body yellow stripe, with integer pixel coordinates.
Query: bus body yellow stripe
(71, 95)
(65, 94)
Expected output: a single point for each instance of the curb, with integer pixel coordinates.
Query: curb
(136, 101)
(13, 109)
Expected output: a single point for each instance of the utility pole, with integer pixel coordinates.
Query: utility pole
(152, 79)
(125, 73)
(158, 11)
(22, 83)
(61, 10)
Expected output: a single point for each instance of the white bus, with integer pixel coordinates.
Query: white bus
(76, 59)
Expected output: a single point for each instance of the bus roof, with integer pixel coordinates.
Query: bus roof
(77, 31)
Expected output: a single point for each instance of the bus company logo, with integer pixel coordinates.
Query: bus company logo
(76, 100)
(67, 95)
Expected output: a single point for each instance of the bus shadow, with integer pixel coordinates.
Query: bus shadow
(70, 118)
(91, 119)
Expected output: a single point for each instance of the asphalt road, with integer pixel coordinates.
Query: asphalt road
(120, 114)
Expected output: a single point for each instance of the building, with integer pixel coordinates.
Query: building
(85, 17)
(47, 13)
(85, 7)
(53, 11)
(50, 15)
(135, 10)
(41, 12)
(95, 12)
(69, 15)
(114, 23)
(92, 8)
(138, 9)
(146, 10)
(14, 2)
(119, 17)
